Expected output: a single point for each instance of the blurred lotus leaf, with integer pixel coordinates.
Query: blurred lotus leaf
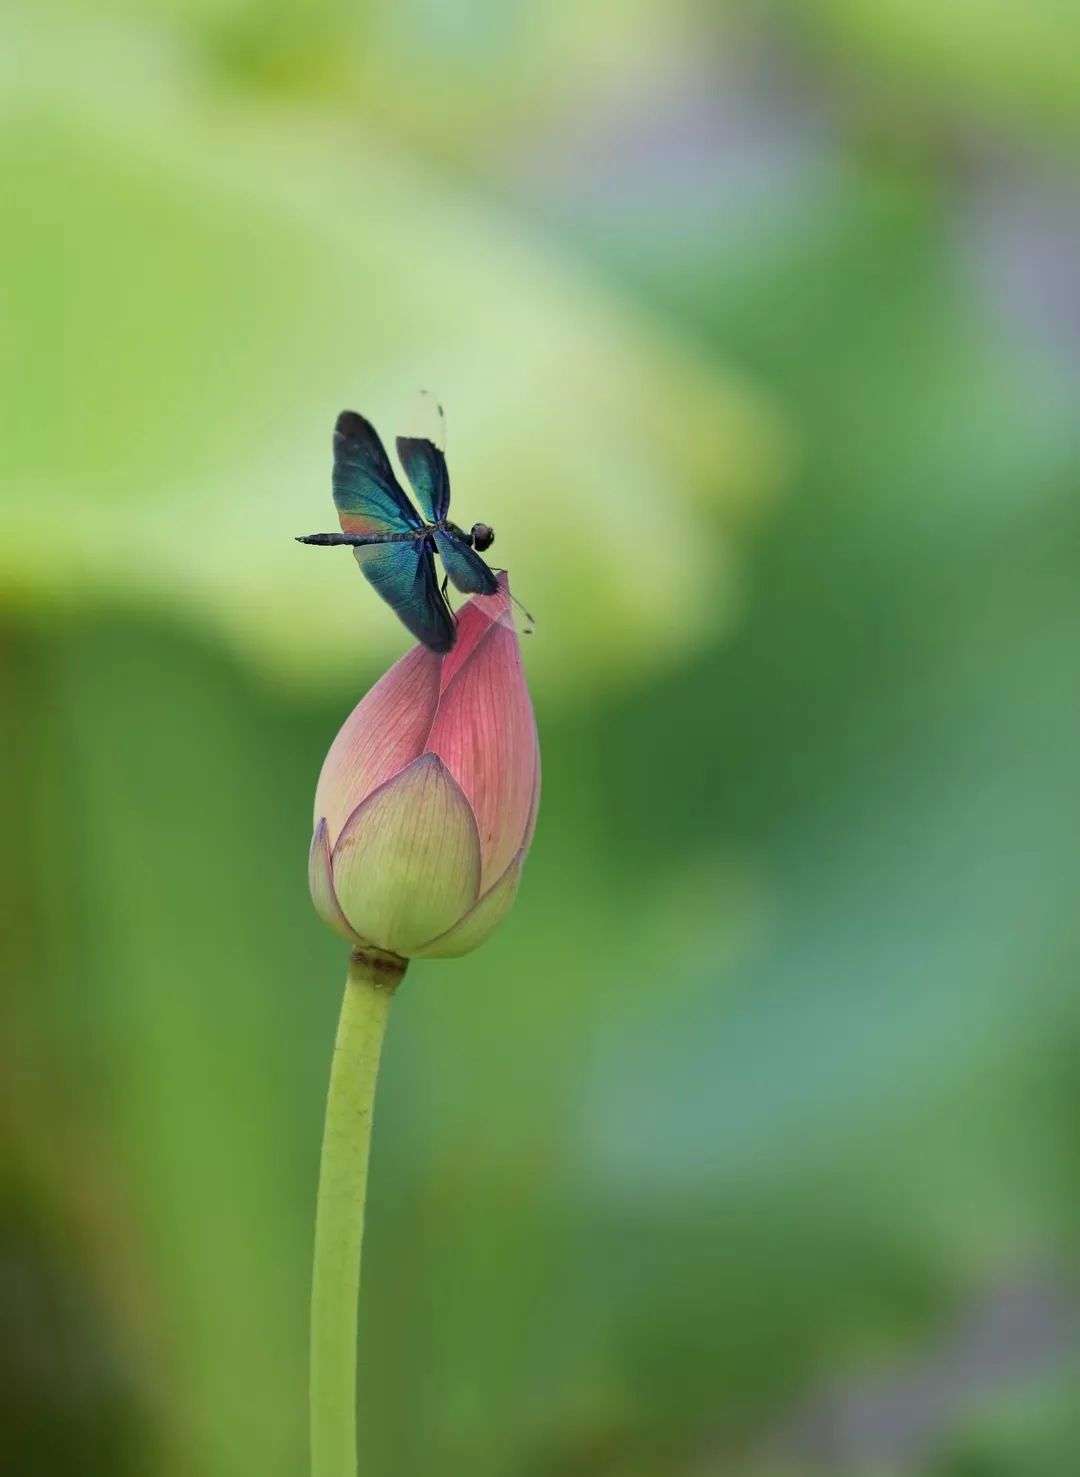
(1020, 58)
(250, 273)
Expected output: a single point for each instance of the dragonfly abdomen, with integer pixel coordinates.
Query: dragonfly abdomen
(329, 540)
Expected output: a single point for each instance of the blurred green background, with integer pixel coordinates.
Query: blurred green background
(751, 1144)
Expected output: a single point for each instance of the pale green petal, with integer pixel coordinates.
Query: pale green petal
(482, 921)
(407, 864)
(321, 884)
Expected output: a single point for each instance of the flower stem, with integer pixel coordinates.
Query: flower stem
(339, 1217)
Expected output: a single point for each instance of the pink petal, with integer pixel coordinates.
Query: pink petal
(534, 804)
(321, 883)
(407, 863)
(383, 733)
(485, 734)
(474, 620)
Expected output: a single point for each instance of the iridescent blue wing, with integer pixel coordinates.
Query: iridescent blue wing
(425, 467)
(404, 575)
(367, 495)
(466, 569)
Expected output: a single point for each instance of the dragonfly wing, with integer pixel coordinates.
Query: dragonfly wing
(404, 575)
(367, 495)
(466, 569)
(423, 420)
(425, 467)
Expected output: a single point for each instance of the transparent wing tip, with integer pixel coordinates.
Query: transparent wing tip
(423, 418)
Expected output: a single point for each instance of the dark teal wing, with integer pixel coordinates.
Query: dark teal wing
(425, 467)
(367, 495)
(466, 569)
(404, 575)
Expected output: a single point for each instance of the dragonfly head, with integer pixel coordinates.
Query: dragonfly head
(482, 537)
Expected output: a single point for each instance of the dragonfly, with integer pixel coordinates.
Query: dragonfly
(394, 547)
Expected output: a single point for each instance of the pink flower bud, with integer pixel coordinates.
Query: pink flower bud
(426, 803)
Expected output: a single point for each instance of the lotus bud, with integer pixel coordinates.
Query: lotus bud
(427, 799)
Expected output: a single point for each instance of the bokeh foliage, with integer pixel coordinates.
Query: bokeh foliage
(772, 1075)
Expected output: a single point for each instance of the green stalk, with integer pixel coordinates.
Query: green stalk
(339, 1217)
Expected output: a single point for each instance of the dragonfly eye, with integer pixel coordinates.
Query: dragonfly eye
(482, 537)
